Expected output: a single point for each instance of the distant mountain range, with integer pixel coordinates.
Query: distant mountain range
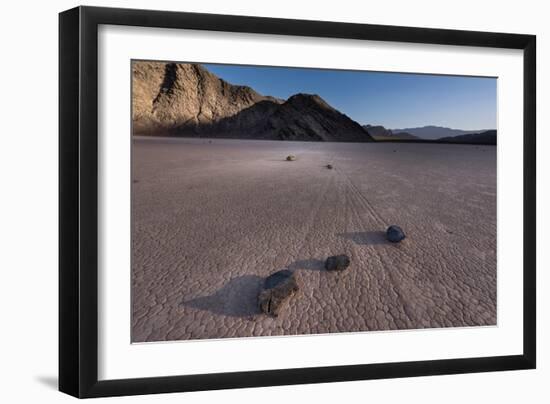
(378, 132)
(432, 132)
(183, 99)
(487, 137)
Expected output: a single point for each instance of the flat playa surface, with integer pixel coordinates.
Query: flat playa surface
(212, 219)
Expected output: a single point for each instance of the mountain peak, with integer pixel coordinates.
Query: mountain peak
(308, 100)
(169, 98)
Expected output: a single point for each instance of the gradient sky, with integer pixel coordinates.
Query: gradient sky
(394, 100)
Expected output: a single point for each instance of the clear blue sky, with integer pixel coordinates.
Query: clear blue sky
(394, 100)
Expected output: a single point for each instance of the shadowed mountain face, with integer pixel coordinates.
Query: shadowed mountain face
(309, 117)
(181, 99)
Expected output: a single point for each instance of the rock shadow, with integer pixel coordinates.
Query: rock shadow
(366, 237)
(309, 264)
(237, 298)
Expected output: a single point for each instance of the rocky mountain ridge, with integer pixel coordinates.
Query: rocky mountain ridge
(184, 99)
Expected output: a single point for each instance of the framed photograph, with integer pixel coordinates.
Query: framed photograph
(251, 201)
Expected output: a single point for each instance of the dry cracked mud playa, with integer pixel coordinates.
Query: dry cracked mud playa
(213, 218)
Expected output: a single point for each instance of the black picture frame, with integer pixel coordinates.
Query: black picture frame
(78, 201)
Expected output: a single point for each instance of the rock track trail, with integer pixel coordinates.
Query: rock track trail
(212, 219)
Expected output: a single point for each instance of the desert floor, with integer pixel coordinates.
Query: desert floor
(213, 218)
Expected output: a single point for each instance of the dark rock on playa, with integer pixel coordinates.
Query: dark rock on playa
(290, 158)
(329, 166)
(337, 263)
(278, 288)
(277, 278)
(395, 234)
